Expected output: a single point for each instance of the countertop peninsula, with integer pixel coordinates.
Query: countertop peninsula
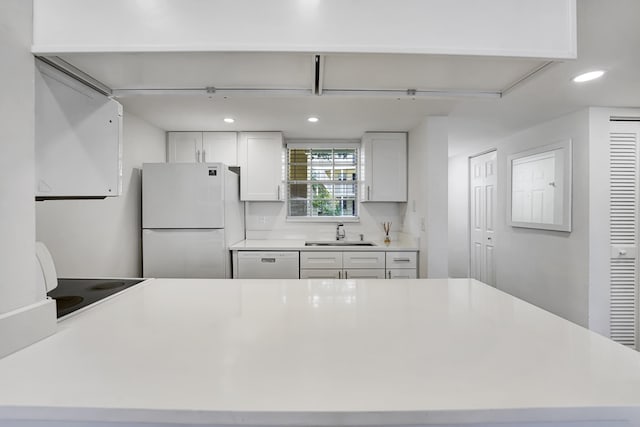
(319, 352)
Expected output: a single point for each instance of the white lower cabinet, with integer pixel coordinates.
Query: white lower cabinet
(326, 264)
(369, 260)
(401, 273)
(342, 265)
(321, 260)
(401, 265)
(363, 273)
(317, 273)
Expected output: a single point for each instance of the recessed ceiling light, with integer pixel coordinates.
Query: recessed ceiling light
(312, 119)
(229, 120)
(591, 75)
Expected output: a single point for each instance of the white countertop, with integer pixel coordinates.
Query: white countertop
(299, 245)
(319, 352)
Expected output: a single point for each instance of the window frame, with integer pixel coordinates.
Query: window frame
(323, 144)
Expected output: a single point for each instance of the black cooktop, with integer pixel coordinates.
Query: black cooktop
(73, 294)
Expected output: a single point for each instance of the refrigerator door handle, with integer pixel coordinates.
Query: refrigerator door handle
(204, 156)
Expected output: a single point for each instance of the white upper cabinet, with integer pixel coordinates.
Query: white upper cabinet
(195, 147)
(384, 167)
(260, 157)
(184, 147)
(220, 147)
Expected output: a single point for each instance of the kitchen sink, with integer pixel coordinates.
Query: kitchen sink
(339, 243)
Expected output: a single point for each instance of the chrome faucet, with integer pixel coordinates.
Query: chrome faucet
(340, 233)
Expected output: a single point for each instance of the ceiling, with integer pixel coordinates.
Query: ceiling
(486, 98)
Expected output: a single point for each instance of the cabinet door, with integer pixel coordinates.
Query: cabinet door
(364, 273)
(261, 166)
(320, 260)
(220, 147)
(384, 166)
(401, 260)
(320, 274)
(402, 273)
(184, 147)
(363, 260)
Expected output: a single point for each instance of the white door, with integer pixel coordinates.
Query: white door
(482, 216)
(182, 195)
(624, 143)
(188, 253)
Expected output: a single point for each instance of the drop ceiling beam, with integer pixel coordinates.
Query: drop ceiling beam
(214, 92)
(76, 74)
(526, 77)
(411, 93)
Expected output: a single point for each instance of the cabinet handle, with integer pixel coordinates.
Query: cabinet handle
(271, 260)
(339, 274)
(204, 156)
(345, 275)
(278, 192)
(401, 260)
(368, 192)
(389, 274)
(198, 156)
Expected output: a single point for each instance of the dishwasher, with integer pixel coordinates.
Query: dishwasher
(268, 265)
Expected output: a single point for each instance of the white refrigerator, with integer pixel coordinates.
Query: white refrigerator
(191, 214)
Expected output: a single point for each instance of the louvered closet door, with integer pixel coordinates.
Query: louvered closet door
(623, 227)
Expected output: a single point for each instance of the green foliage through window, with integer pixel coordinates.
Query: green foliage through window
(322, 182)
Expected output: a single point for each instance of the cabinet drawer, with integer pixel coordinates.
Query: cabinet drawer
(402, 273)
(363, 260)
(320, 273)
(315, 260)
(363, 273)
(401, 260)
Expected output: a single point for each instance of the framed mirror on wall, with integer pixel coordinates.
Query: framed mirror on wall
(539, 187)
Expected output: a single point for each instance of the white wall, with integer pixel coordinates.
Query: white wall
(547, 268)
(102, 238)
(458, 202)
(267, 220)
(17, 244)
(534, 28)
(25, 315)
(427, 209)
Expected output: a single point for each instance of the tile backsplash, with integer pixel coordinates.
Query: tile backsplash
(268, 220)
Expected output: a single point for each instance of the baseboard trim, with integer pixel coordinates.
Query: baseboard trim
(27, 325)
